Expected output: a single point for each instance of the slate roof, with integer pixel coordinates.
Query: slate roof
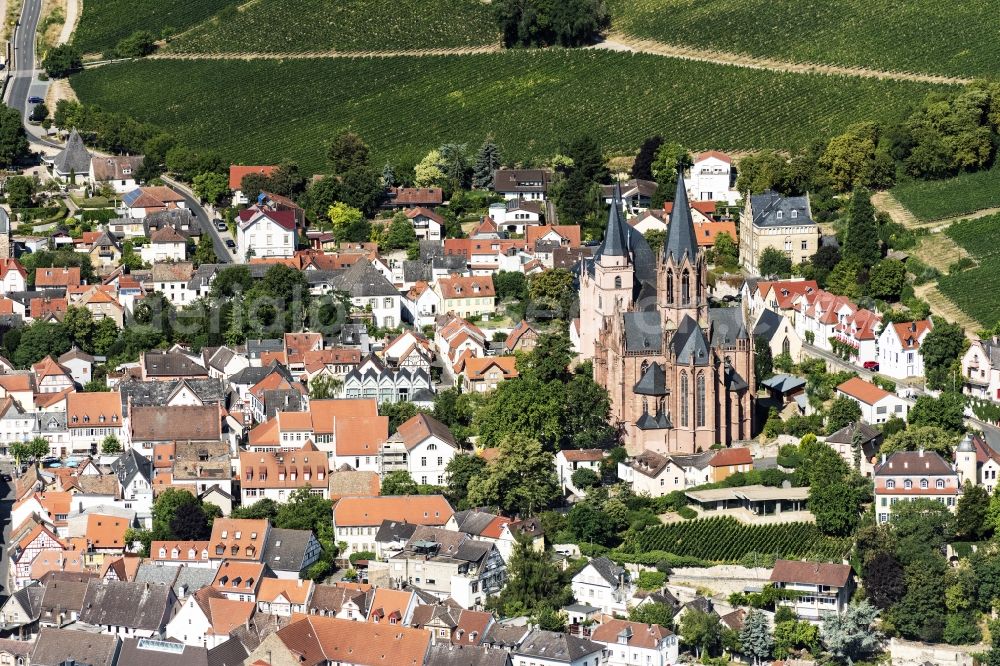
(154, 393)
(846, 434)
(363, 280)
(130, 464)
(74, 157)
(521, 180)
(615, 237)
(681, 240)
(652, 382)
(394, 530)
(767, 324)
(30, 599)
(768, 204)
(466, 655)
(139, 606)
(142, 652)
(171, 364)
(642, 331)
(783, 383)
(229, 653)
(728, 326)
(608, 570)
(689, 343)
(557, 647)
(285, 549)
(53, 647)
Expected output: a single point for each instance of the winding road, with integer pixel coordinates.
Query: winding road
(24, 82)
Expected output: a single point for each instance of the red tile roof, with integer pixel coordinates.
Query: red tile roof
(236, 173)
(866, 392)
(810, 573)
(431, 510)
(734, 456)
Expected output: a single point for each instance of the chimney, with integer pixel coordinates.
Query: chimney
(299, 581)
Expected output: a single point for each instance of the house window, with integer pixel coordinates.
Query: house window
(939, 484)
(908, 484)
(890, 484)
(923, 484)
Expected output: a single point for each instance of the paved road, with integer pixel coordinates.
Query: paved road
(6, 504)
(24, 83)
(830, 357)
(207, 225)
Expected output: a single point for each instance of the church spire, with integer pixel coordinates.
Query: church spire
(680, 231)
(615, 235)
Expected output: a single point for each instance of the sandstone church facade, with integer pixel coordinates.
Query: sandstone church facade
(679, 372)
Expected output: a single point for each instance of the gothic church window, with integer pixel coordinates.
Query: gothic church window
(670, 286)
(700, 401)
(684, 400)
(685, 288)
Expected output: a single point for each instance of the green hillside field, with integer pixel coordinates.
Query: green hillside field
(976, 290)
(928, 36)
(105, 22)
(531, 101)
(345, 25)
(937, 199)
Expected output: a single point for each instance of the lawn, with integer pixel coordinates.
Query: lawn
(976, 291)
(532, 102)
(936, 199)
(105, 22)
(347, 25)
(955, 38)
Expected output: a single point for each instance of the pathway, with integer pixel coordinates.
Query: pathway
(886, 203)
(69, 25)
(620, 42)
(943, 307)
(416, 53)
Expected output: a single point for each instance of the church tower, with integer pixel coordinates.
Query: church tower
(681, 279)
(610, 288)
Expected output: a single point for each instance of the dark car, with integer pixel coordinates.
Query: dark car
(230, 244)
(871, 365)
(35, 99)
(6, 477)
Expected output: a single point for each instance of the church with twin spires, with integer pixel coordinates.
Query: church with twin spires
(679, 373)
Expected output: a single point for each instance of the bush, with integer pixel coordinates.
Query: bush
(651, 580)
(363, 555)
(687, 513)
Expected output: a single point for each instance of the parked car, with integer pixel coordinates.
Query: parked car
(230, 244)
(221, 226)
(871, 365)
(35, 99)
(7, 478)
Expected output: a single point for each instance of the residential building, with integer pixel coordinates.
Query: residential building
(821, 589)
(449, 565)
(121, 608)
(236, 174)
(277, 475)
(427, 224)
(165, 244)
(977, 462)
(207, 616)
(240, 580)
(634, 643)
(356, 520)
(569, 461)
(770, 220)
(530, 184)
(261, 232)
(877, 404)
(172, 281)
(899, 348)
(422, 446)
(636, 194)
(523, 338)
(372, 379)
(981, 369)
(909, 475)
(550, 648)
(288, 553)
(284, 597)
(371, 294)
(482, 375)
(118, 171)
(466, 296)
(605, 585)
(57, 647)
(711, 178)
(13, 276)
(779, 333)
(824, 319)
(238, 539)
(858, 444)
(73, 161)
(678, 371)
(516, 215)
(145, 201)
(411, 197)
(91, 417)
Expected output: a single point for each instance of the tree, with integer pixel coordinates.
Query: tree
(210, 187)
(727, 253)
(324, 386)
(532, 582)
(400, 233)
(204, 253)
(349, 224)
(928, 438)
(774, 262)
(460, 471)
(111, 445)
(427, 172)
(305, 511)
(584, 478)
(755, 636)
(852, 159)
(39, 113)
(653, 613)
(168, 504)
(642, 168)
(946, 411)
(700, 630)
(920, 614)
(549, 359)
(921, 527)
(398, 413)
(844, 279)
(190, 523)
(886, 279)
(20, 190)
(139, 44)
(39, 340)
(850, 636)
(885, 583)
(843, 411)
(79, 325)
(347, 152)
(670, 159)
(862, 241)
(454, 164)
(510, 285)
(548, 289)
(520, 481)
(541, 23)
(399, 483)
(970, 515)
(388, 176)
(792, 635)
(262, 508)
(61, 61)
(486, 164)
(763, 364)
(590, 524)
(941, 348)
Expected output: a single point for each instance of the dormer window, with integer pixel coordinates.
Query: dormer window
(778, 215)
(940, 484)
(907, 485)
(890, 484)
(795, 214)
(225, 534)
(253, 535)
(220, 550)
(238, 535)
(163, 552)
(923, 484)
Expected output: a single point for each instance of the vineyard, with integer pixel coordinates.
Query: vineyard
(976, 290)
(105, 22)
(961, 195)
(348, 25)
(927, 36)
(728, 540)
(531, 101)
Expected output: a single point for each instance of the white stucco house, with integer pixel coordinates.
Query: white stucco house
(711, 178)
(604, 585)
(899, 349)
(877, 405)
(265, 233)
